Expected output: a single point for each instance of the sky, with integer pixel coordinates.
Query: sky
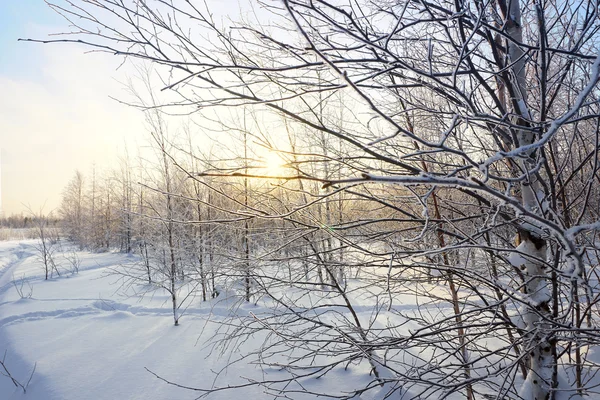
(56, 114)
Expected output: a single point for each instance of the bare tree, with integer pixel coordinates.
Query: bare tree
(47, 242)
(466, 124)
(72, 210)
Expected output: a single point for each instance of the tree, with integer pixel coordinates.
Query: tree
(483, 116)
(72, 210)
(47, 242)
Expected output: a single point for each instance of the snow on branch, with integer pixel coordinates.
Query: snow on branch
(554, 126)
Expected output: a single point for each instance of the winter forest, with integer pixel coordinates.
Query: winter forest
(371, 199)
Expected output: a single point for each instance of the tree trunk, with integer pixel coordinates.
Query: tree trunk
(539, 380)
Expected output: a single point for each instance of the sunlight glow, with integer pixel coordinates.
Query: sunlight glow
(274, 165)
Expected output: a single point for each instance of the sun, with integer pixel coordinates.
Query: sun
(274, 165)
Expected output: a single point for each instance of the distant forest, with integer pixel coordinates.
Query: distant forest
(23, 221)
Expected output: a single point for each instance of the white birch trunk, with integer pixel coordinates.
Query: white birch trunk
(539, 378)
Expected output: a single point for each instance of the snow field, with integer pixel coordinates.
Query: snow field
(89, 340)
(99, 335)
(94, 335)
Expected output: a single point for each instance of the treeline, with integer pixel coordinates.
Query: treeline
(23, 221)
(212, 231)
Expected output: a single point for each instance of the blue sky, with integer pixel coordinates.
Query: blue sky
(55, 111)
(19, 19)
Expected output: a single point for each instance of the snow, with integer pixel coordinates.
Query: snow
(89, 340)
(554, 126)
(516, 258)
(93, 335)
(90, 336)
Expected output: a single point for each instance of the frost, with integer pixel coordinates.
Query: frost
(576, 230)
(554, 126)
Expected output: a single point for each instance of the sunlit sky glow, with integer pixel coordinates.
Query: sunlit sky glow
(55, 112)
(57, 115)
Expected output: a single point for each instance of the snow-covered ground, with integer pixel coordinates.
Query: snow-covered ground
(94, 335)
(91, 336)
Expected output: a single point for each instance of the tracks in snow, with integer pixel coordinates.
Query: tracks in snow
(108, 308)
